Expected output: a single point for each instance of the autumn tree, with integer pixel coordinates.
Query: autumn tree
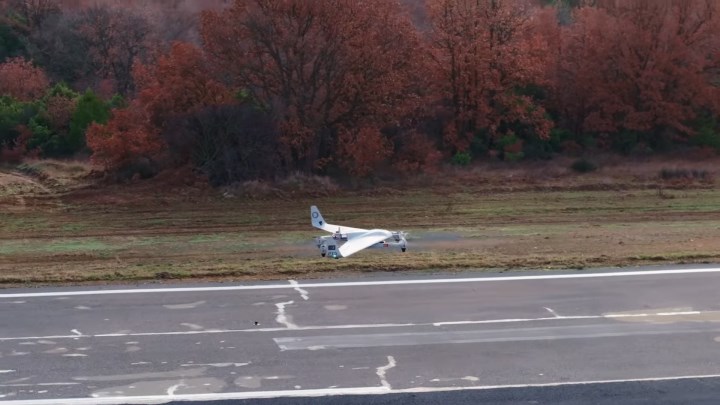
(169, 91)
(484, 54)
(60, 112)
(126, 139)
(117, 38)
(362, 149)
(178, 83)
(318, 65)
(177, 86)
(21, 80)
(639, 71)
(415, 152)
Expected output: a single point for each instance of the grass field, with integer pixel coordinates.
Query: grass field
(481, 219)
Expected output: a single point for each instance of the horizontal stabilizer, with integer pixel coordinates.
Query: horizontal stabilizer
(319, 222)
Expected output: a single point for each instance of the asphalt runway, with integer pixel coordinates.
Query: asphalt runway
(531, 337)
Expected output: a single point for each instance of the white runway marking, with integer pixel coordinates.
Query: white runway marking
(171, 391)
(159, 399)
(16, 353)
(381, 371)
(283, 319)
(215, 364)
(555, 314)
(184, 306)
(466, 378)
(555, 318)
(678, 313)
(57, 384)
(362, 283)
(296, 287)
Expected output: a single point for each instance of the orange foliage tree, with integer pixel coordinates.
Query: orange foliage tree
(362, 149)
(483, 53)
(21, 80)
(127, 137)
(178, 83)
(318, 65)
(416, 153)
(639, 67)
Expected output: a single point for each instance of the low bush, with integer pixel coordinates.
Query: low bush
(583, 166)
(229, 143)
(296, 184)
(685, 174)
(462, 159)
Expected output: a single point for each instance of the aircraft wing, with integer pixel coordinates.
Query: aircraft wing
(363, 240)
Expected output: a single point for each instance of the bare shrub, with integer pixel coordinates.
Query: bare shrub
(685, 174)
(297, 184)
(308, 184)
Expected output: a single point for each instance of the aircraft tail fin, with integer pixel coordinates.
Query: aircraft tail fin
(317, 219)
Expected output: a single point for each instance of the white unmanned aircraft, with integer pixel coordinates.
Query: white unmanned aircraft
(345, 241)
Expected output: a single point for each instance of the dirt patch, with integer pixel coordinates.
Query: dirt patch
(16, 190)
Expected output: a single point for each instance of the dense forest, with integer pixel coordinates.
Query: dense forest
(250, 89)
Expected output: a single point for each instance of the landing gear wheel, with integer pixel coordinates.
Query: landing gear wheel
(322, 254)
(403, 249)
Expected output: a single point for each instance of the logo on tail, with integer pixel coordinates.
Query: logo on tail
(316, 217)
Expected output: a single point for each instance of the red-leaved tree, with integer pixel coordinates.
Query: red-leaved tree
(178, 83)
(127, 137)
(319, 66)
(21, 80)
(360, 150)
(416, 153)
(483, 53)
(639, 66)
